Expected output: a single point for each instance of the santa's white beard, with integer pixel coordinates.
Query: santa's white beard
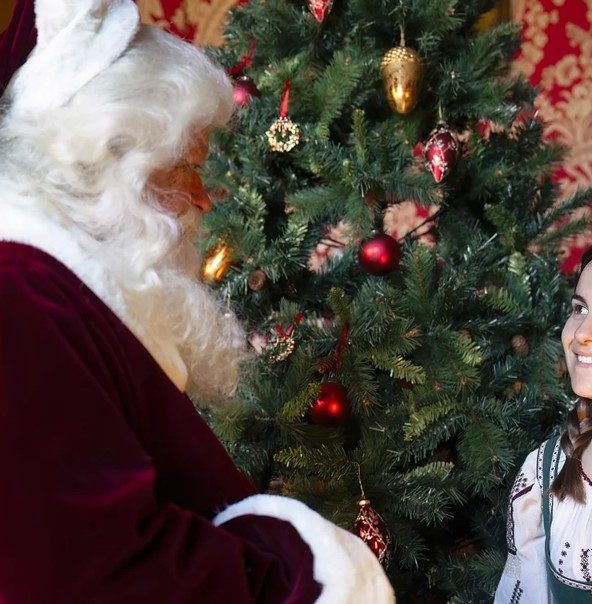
(141, 259)
(176, 308)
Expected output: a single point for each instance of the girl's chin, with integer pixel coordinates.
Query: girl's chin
(583, 390)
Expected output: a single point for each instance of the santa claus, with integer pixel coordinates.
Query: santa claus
(113, 489)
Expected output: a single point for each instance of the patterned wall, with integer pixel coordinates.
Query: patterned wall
(201, 21)
(556, 56)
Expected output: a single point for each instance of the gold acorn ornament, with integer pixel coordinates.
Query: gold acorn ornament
(402, 70)
(216, 262)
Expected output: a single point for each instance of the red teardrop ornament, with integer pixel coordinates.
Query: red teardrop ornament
(372, 530)
(320, 8)
(441, 152)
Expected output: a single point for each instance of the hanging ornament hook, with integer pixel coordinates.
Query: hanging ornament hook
(283, 135)
(285, 102)
(359, 472)
(245, 62)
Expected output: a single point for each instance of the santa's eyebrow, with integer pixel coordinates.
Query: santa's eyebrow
(579, 299)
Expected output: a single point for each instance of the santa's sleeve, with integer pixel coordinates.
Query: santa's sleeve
(524, 578)
(79, 519)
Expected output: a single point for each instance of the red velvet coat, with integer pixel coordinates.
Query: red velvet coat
(109, 477)
(113, 489)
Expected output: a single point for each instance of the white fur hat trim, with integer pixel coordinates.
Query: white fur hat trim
(77, 39)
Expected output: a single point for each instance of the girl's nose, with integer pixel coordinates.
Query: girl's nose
(583, 332)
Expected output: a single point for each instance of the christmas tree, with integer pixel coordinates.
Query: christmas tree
(412, 371)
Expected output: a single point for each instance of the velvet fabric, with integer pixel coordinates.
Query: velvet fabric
(109, 477)
(17, 41)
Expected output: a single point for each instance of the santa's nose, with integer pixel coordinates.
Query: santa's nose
(201, 200)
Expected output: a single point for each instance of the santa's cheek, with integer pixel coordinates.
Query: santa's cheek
(185, 181)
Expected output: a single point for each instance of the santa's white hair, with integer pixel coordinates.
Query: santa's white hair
(90, 160)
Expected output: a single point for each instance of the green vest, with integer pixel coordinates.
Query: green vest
(565, 591)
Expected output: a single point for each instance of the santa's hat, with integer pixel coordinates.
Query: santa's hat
(76, 40)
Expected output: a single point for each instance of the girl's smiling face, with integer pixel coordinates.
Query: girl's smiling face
(576, 336)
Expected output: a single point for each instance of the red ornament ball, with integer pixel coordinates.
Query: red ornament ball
(441, 152)
(379, 255)
(244, 91)
(331, 408)
(372, 530)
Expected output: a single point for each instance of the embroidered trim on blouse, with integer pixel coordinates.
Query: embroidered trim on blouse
(570, 582)
(519, 489)
(539, 465)
(553, 469)
(585, 564)
(560, 562)
(556, 452)
(583, 474)
(512, 567)
(517, 593)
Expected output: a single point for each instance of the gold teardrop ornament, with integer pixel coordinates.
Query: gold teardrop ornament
(216, 263)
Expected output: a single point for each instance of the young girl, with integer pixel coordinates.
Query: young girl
(549, 531)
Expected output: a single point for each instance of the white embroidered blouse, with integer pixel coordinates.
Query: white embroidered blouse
(524, 579)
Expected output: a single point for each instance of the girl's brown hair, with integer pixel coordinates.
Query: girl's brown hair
(574, 440)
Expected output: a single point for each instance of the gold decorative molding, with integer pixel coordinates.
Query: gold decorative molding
(206, 19)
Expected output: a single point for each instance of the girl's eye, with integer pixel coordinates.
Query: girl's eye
(580, 309)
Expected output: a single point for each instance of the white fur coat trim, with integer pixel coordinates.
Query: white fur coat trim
(31, 226)
(342, 563)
